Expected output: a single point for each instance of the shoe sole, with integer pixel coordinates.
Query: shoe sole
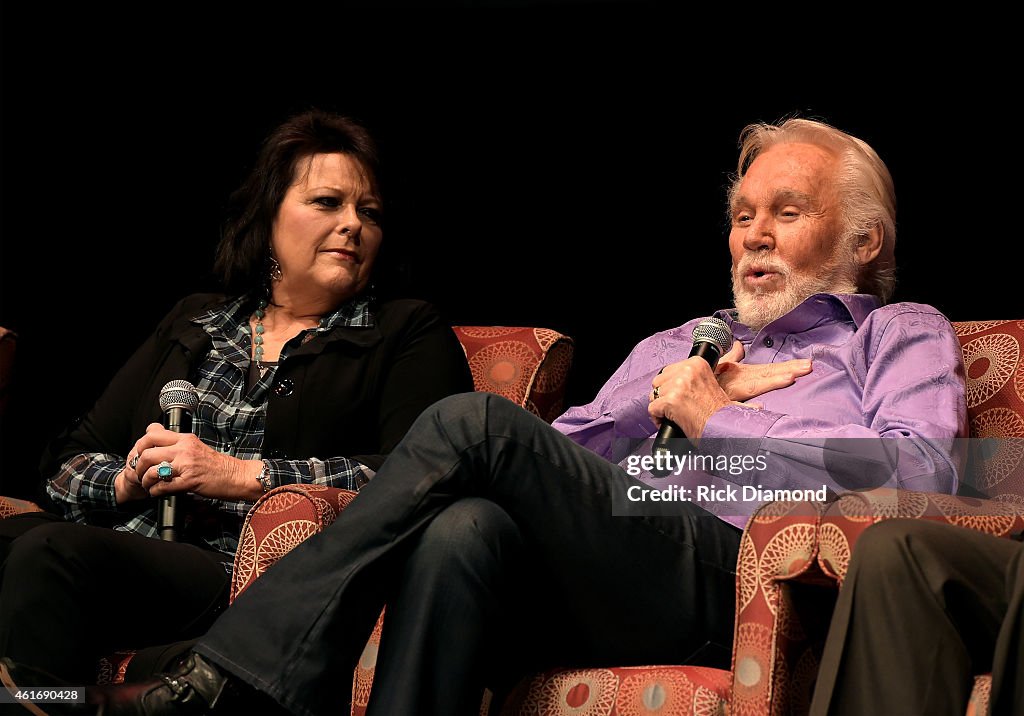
(5, 677)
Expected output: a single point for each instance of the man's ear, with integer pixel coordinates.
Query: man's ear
(869, 245)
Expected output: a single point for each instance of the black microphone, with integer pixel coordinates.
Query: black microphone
(711, 340)
(178, 400)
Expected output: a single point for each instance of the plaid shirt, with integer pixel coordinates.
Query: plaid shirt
(229, 419)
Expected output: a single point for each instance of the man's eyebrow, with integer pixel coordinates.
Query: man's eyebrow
(793, 196)
(781, 196)
(739, 202)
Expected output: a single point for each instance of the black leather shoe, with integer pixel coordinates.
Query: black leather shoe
(194, 687)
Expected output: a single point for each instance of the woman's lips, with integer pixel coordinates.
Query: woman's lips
(344, 255)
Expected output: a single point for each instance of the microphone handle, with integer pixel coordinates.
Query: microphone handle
(177, 420)
(669, 431)
(166, 518)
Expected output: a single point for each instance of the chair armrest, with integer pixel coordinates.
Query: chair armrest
(10, 506)
(847, 517)
(280, 521)
(771, 645)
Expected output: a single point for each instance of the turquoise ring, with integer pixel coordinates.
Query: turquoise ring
(163, 470)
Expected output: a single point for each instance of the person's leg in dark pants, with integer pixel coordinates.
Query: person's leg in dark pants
(1007, 694)
(13, 527)
(917, 617)
(72, 593)
(629, 589)
(441, 625)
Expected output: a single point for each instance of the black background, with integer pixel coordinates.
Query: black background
(557, 164)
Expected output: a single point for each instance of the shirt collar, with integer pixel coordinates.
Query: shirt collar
(235, 314)
(847, 307)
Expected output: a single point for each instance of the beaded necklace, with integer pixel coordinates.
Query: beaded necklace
(257, 336)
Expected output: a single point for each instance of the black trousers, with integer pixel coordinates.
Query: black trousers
(925, 607)
(482, 510)
(72, 593)
(11, 528)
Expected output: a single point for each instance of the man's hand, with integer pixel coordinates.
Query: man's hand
(742, 382)
(688, 393)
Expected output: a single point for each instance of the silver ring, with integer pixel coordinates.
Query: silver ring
(656, 393)
(164, 471)
(133, 461)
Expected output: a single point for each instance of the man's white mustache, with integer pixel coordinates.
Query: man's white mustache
(751, 264)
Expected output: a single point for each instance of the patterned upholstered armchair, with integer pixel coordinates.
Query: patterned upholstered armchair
(793, 558)
(529, 366)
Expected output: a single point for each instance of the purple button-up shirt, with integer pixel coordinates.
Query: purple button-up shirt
(894, 371)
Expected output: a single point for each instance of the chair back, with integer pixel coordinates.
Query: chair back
(995, 407)
(529, 366)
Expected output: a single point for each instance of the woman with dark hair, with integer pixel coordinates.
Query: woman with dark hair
(300, 376)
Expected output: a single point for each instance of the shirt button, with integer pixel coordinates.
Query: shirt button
(284, 388)
(768, 342)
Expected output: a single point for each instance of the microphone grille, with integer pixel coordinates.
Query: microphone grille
(179, 394)
(714, 331)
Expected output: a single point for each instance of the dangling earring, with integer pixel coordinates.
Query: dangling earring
(275, 269)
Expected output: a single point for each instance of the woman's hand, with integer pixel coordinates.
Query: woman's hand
(194, 467)
(127, 484)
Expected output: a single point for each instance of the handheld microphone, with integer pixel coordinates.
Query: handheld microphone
(711, 340)
(178, 401)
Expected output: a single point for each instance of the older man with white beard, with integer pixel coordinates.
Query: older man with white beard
(487, 529)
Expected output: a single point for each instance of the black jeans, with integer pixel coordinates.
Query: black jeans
(72, 593)
(589, 588)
